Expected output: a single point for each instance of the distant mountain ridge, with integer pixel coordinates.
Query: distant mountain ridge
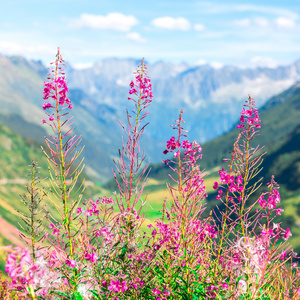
(211, 99)
(279, 134)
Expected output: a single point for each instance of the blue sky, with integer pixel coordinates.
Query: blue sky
(246, 34)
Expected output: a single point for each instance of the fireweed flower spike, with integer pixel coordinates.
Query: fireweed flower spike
(183, 237)
(253, 257)
(131, 182)
(61, 150)
(129, 161)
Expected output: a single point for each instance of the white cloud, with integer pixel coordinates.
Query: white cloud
(280, 22)
(284, 22)
(217, 65)
(136, 37)
(266, 9)
(172, 23)
(211, 8)
(263, 61)
(242, 23)
(201, 62)
(260, 22)
(199, 27)
(113, 21)
(81, 66)
(12, 48)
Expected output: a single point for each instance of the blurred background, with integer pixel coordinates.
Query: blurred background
(202, 56)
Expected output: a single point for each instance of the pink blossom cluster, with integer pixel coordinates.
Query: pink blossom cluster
(57, 90)
(106, 200)
(235, 184)
(142, 86)
(196, 183)
(116, 286)
(270, 203)
(55, 229)
(270, 206)
(250, 116)
(93, 210)
(250, 253)
(156, 292)
(268, 232)
(192, 150)
(24, 272)
(170, 233)
(50, 90)
(105, 232)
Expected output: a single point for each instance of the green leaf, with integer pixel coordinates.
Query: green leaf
(60, 293)
(183, 295)
(238, 279)
(77, 296)
(95, 294)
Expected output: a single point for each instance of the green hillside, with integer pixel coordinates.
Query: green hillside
(21, 98)
(16, 153)
(280, 118)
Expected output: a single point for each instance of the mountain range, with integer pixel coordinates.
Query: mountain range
(211, 99)
(279, 135)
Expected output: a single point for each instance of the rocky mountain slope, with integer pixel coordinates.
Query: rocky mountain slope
(211, 99)
(280, 119)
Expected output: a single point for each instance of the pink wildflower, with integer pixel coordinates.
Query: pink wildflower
(262, 202)
(248, 113)
(283, 255)
(279, 211)
(114, 286)
(265, 232)
(46, 105)
(225, 286)
(72, 263)
(106, 200)
(185, 144)
(215, 185)
(240, 189)
(171, 143)
(239, 180)
(56, 231)
(287, 234)
(156, 292)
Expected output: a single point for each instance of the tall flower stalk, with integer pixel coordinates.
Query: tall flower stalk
(182, 252)
(242, 249)
(32, 201)
(130, 161)
(61, 150)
